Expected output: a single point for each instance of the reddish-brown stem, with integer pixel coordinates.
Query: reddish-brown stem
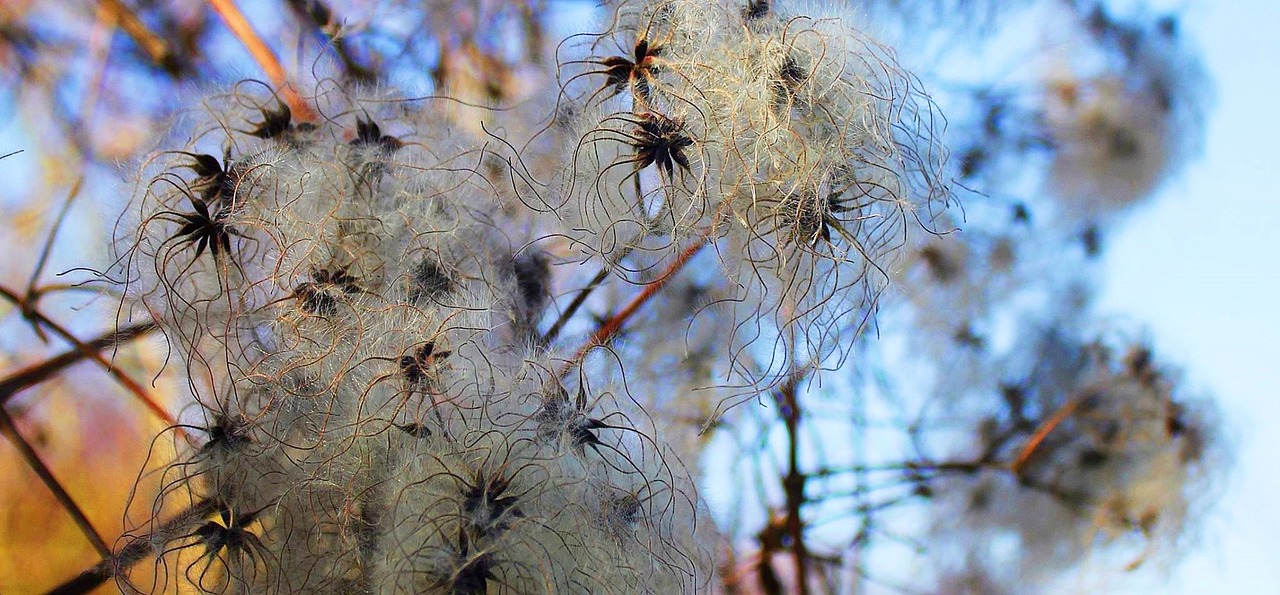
(572, 309)
(1042, 432)
(615, 322)
(32, 459)
(727, 570)
(793, 482)
(770, 538)
(264, 56)
(151, 44)
(92, 350)
(37, 373)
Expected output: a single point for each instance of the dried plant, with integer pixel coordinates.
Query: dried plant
(681, 304)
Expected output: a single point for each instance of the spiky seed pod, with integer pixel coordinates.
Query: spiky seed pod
(361, 330)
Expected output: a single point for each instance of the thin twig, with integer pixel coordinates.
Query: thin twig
(585, 292)
(582, 296)
(91, 350)
(150, 43)
(770, 538)
(32, 459)
(907, 466)
(793, 482)
(29, 302)
(136, 550)
(615, 322)
(1043, 432)
(572, 309)
(321, 16)
(37, 373)
(263, 55)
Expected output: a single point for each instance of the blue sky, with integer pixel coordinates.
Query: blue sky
(1197, 267)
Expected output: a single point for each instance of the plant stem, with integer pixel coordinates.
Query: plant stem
(136, 550)
(32, 459)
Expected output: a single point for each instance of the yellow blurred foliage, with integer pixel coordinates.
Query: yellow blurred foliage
(95, 438)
